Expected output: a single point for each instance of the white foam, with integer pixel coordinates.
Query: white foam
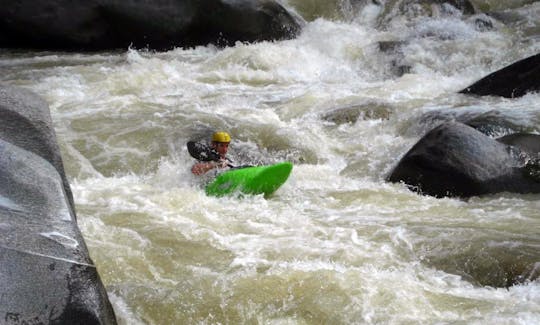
(336, 229)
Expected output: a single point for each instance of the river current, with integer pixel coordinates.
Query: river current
(337, 244)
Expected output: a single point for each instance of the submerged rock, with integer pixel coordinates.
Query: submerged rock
(526, 142)
(412, 9)
(47, 276)
(159, 25)
(397, 64)
(456, 160)
(484, 264)
(494, 123)
(350, 114)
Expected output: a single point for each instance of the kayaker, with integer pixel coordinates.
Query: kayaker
(220, 143)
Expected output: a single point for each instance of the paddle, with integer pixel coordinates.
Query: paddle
(201, 151)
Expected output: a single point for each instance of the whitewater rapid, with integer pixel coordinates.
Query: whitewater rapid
(336, 244)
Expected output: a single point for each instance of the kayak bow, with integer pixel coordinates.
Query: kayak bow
(250, 180)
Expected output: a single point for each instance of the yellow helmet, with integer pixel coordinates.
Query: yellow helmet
(221, 137)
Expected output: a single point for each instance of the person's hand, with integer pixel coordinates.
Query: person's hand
(203, 167)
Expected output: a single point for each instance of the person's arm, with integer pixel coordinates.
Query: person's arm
(203, 167)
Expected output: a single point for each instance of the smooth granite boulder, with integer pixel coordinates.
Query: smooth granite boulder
(454, 159)
(46, 274)
(159, 24)
(512, 81)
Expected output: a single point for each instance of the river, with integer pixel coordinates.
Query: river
(337, 244)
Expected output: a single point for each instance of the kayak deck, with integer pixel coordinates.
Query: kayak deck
(250, 180)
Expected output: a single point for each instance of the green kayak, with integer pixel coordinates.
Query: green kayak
(250, 180)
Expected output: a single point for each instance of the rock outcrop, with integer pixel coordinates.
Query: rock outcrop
(456, 160)
(47, 276)
(512, 81)
(161, 24)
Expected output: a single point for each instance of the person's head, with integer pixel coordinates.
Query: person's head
(220, 142)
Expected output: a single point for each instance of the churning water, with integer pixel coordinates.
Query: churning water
(336, 244)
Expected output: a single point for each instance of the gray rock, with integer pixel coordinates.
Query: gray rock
(47, 276)
(528, 143)
(159, 24)
(515, 80)
(364, 111)
(456, 160)
(26, 122)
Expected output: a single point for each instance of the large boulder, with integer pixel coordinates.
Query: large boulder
(512, 81)
(47, 276)
(158, 24)
(26, 123)
(454, 159)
